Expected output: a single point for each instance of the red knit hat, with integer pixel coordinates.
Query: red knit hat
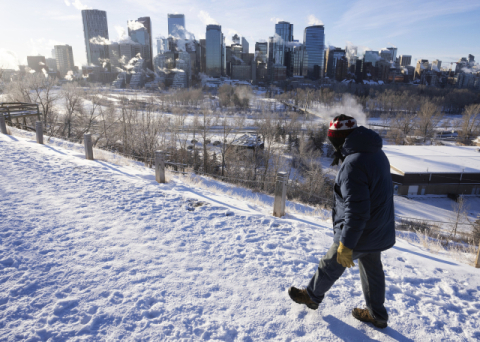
(341, 126)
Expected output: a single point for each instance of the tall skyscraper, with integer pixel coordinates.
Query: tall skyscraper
(371, 57)
(148, 25)
(236, 52)
(271, 59)
(203, 55)
(332, 55)
(283, 35)
(236, 39)
(95, 28)
(261, 52)
(214, 50)
(422, 64)
(224, 56)
(139, 34)
(121, 53)
(64, 57)
(436, 64)
(245, 46)
(314, 53)
(394, 53)
(386, 54)
(297, 60)
(176, 25)
(36, 63)
(270, 56)
(405, 60)
(51, 64)
(462, 63)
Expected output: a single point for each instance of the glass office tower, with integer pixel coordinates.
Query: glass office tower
(64, 57)
(332, 55)
(95, 26)
(214, 53)
(261, 51)
(314, 53)
(283, 35)
(297, 60)
(176, 25)
(148, 25)
(394, 53)
(371, 57)
(245, 46)
(140, 35)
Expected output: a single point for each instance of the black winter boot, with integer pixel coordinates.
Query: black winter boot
(302, 297)
(364, 316)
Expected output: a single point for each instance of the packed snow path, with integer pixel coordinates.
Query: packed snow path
(94, 251)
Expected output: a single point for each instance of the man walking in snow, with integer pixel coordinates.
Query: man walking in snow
(363, 220)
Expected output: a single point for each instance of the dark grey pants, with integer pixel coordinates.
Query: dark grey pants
(371, 275)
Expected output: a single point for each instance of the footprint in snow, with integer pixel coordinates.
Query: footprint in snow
(193, 203)
(439, 270)
(116, 298)
(274, 224)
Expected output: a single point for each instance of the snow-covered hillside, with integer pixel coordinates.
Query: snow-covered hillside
(95, 251)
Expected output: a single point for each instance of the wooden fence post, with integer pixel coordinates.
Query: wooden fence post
(477, 260)
(39, 131)
(3, 126)
(280, 195)
(87, 139)
(159, 167)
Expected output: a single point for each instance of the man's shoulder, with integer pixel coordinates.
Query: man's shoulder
(361, 158)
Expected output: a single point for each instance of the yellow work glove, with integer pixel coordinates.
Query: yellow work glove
(344, 256)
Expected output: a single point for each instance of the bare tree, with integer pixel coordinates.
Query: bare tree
(266, 129)
(401, 126)
(180, 137)
(195, 128)
(225, 93)
(460, 214)
(476, 230)
(427, 120)
(92, 99)
(21, 90)
(148, 127)
(108, 126)
(229, 126)
(72, 99)
(470, 123)
(127, 117)
(307, 175)
(206, 122)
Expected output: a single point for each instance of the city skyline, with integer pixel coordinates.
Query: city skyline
(443, 30)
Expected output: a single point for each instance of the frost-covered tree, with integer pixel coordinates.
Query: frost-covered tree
(72, 95)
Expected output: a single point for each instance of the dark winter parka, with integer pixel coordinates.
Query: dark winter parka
(363, 214)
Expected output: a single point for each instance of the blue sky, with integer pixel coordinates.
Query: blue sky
(442, 29)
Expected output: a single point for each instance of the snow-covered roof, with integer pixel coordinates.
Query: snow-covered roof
(248, 140)
(437, 159)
